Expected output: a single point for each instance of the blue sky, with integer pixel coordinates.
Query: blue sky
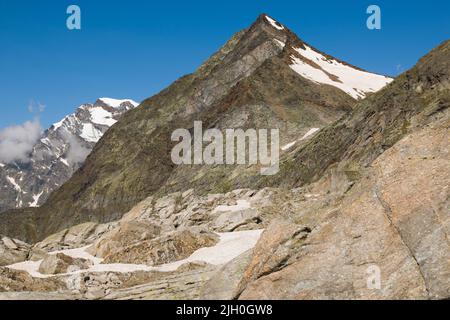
(135, 48)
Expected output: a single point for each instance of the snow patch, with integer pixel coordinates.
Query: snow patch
(274, 23)
(352, 81)
(280, 43)
(288, 146)
(230, 246)
(102, 117)
(306, 136)
(64, 161)
(90, 133)
(59, 124)
(14, 183)
(115, 103)
(36, 200)
(310, 133)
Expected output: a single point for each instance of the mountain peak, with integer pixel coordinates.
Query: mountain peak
(275, 24)
(59, 152)
(316, 66)
(116, 103)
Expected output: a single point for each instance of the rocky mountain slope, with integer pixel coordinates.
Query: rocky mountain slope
(60, 151)
(255, 81)
(359, 210)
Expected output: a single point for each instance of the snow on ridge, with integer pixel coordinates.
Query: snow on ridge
(99, 116)
(36, 199)
(14, 183)
(90, 133)
(280, 43)
(288, 146)
(274, 23)
(59, 124)
(310, 133)
(306, 136)
(102, 117)
(354, 82)
(115, 103)
(65, 162)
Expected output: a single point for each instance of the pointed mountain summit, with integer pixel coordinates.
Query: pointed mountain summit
(319, 67)
(264, 77)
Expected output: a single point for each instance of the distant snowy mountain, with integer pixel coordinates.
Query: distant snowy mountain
(58, 154)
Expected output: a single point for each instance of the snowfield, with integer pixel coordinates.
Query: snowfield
(274, 23)
(90, 133)
(352, 81)
(102, 117)
(115, 103)
(230, 246)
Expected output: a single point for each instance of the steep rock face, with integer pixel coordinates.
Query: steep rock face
(394, 220)
(59, 152)
(393, 217)
(249, 83)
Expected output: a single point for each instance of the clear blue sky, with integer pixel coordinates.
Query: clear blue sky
(135, 48)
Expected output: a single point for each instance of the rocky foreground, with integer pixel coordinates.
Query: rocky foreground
(318, 241)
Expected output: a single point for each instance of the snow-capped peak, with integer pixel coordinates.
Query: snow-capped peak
(60, 151)
(116, 103)
(314, 66)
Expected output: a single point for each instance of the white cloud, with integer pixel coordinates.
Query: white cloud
(77, 153)
(36, 107)
(17, 141)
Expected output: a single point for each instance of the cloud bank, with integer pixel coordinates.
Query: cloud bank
(16, 142)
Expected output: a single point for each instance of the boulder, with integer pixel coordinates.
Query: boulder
(224, 283)
(128, 233)
(76, 237)
(21, 281)
(13, 251)
(61, 263)
(237, 220)
(171, 247)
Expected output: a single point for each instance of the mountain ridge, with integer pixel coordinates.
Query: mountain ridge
(132, 160)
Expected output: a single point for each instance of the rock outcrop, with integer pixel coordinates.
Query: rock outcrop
(61, 263)
(21, 281)
(165, 249)
(14, 251)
